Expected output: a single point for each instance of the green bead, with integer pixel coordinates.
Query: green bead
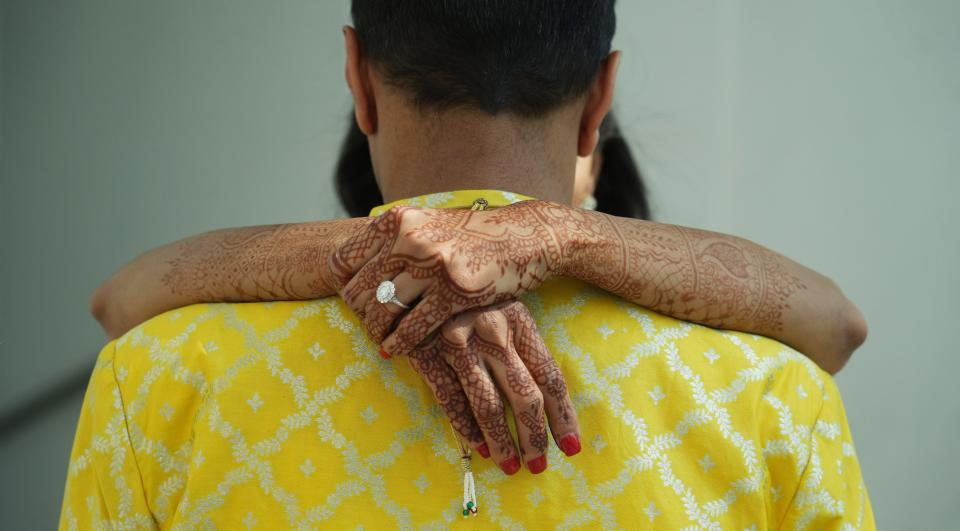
(466, 512)
(469, 505)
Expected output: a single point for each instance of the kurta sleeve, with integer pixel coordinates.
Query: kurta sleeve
(104, 488)
(828, 487)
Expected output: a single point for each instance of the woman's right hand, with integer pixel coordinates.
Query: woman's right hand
(441, 262)
(475, 353)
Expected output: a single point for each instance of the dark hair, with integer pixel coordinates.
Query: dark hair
(525, 57)
(520, 56)
(620, 190)
(353, 176)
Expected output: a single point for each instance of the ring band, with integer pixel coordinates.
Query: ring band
(387, 292)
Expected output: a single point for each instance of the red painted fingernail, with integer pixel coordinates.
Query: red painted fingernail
(510, 466)
(484, 451)
(570, 444)
(383, 354)
(537, 465)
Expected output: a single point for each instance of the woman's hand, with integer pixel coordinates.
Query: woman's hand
(478, 351)
(442, 262)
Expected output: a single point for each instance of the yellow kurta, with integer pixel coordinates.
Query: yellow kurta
(282, 415)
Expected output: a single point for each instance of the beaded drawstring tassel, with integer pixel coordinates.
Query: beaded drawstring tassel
(470, 507)
(469, 488)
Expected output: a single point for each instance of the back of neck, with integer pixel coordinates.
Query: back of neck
(455, 150)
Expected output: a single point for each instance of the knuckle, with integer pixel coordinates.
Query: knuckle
(352, 302)
(481, 284)
(455, 335)
(513, 309)
(549, 374)
(352, 299)
(420, 246)
(532, 401)
(491, 328)
(406, 215)
(399, 346)
(388, 222)
(408, 334)
(393, 213)
(377, 335)
(490, 410)
(487, 319)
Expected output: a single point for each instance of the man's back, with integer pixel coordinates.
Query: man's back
(280, 415)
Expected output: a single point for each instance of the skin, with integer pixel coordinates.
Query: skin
(585, 178)
(459, 269)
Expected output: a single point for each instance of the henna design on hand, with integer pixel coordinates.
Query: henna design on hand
(519, 380)
(542, 366)
(513, 243)
(532, 418)
(500, 346)
(481, 393)
(473, 259)
(478, 349)
(448, 391)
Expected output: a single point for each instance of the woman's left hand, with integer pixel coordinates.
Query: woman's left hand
(480, 360)
(441, 262)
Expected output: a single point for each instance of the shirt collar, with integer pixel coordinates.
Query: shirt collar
(455, 199)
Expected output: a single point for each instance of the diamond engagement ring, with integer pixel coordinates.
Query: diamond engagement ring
(387, 292)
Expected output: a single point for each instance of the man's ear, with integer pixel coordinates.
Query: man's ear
(357, 73)
(599, 100)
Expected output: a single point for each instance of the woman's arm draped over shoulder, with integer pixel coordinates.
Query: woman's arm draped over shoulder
(269, 262)
(709, 278)
(706, 277)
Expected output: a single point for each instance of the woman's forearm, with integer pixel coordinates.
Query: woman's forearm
(270, 262)
(709, 278)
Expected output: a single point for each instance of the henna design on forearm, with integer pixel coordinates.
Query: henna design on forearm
(274, 262)
(691, 274)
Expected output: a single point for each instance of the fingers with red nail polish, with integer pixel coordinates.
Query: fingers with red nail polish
(570, 444)
(549, 379)
(538, 465)
(484, 451)
(510, 466)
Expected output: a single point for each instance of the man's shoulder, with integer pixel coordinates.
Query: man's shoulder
(743, 409)
(579, 315)
(617, 341)
(198, 344)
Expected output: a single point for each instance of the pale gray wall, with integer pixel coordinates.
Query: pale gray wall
(127, 124)
(826, 130)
